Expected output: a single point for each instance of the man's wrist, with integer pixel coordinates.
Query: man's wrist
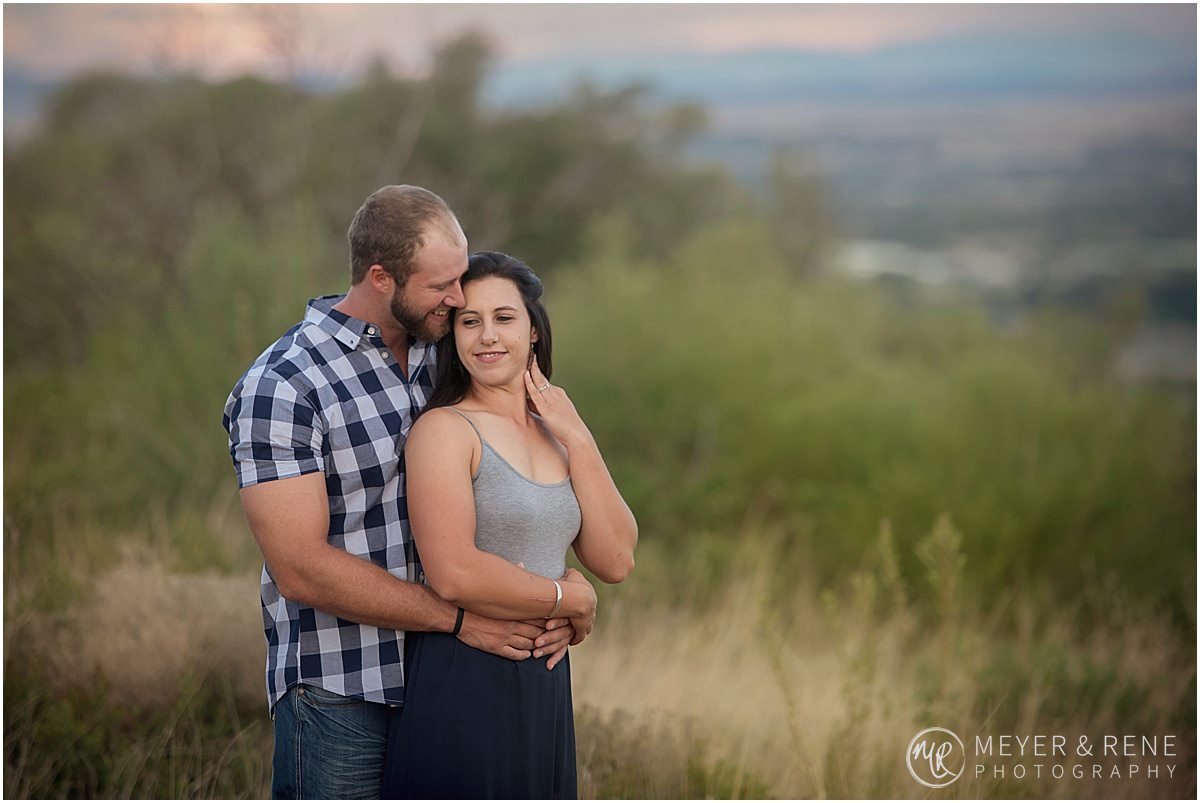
(444, 615)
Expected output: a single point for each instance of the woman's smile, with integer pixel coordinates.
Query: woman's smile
(489, 357)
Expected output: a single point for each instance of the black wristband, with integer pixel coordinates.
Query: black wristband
(458, 623)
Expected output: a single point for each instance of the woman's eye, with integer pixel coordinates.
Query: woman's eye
(504, 318)
(468, 321)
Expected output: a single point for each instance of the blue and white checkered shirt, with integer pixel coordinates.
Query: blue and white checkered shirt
(329, 396)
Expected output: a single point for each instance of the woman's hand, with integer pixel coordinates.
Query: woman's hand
(583, 622)
(608, 531)
(555, 408)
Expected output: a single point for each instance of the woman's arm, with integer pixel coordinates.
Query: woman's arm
(441, 507)
(609, 532)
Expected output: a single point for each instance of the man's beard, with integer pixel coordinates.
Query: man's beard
(420, 325)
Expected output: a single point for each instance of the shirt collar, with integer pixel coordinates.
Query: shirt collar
(351, 331)
(337, 325)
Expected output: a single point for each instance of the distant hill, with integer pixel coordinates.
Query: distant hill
(1116, 62)
(23, 98)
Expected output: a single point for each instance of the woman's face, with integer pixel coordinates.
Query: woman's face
(492, 332)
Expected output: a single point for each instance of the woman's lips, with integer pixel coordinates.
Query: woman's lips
(488, 357)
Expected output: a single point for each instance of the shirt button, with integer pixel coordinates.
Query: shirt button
(385, 355)
(370, 330)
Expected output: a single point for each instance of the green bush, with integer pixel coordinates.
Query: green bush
(722, 388)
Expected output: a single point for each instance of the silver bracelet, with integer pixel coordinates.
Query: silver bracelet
(557, 599)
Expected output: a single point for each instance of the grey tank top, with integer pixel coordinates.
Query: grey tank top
(521, 520)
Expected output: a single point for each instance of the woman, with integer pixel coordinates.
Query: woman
(503, 476)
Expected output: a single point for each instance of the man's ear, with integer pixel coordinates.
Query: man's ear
(379, 278)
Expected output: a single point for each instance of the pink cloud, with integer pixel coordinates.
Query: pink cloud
(220, 39)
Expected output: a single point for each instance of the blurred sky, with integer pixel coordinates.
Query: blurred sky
(51, 41)
(748, 64)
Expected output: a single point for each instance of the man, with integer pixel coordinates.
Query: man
(316, 431)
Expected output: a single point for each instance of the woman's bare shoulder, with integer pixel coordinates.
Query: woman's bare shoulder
(441, 425)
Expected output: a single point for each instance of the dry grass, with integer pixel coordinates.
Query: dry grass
(735, 695)
(144, 630)
(819, 697)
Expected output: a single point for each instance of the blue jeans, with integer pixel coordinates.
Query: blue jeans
(328, 746)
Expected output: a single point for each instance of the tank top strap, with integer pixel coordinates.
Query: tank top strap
(478, 434)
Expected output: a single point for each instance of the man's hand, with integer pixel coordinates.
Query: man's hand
(512, 640)
(558, 635)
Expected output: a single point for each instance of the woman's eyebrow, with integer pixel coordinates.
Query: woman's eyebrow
(506, 308)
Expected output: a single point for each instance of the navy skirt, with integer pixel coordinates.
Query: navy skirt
(475, 725)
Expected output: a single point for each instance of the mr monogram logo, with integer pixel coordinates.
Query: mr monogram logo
(936, 757)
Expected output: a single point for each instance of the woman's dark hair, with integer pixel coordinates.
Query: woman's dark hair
(452, 377)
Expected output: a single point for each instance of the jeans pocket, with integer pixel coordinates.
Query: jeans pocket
(328, 746)
(324, 698)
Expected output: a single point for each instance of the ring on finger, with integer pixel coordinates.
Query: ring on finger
(542, 389)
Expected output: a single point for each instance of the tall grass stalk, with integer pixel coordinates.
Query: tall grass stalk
(150, 683)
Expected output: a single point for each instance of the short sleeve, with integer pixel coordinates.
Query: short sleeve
(274, 431)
